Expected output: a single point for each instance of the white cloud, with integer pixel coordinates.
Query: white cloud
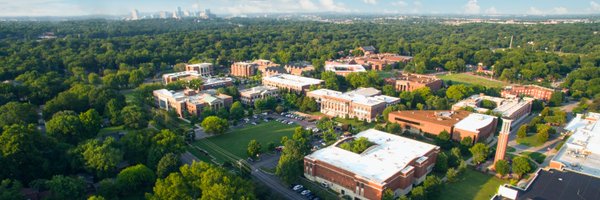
(534, 11)
(399, 3)
(594, 6)
(370, 1)
(560, 10)
(491, 11)
(472, 7)
(331, 5)
(307, 5)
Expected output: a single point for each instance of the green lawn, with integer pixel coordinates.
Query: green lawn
(531, 141)
(472, 80)
(109, 130)
(386, 74)
(471, 185)
(537, 157)
(233, 144)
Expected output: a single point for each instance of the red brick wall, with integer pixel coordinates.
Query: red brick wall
(427, 127)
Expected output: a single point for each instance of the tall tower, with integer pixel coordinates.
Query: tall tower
(135, 15)
(503, 140)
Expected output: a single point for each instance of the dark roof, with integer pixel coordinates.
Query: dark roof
(554, 184)
(368, 48)
(276, 69)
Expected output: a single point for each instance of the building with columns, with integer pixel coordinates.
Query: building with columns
(363, 103)
(203, 69)
(410, 82)
(393, 162)
(290, 82)
(248, 96)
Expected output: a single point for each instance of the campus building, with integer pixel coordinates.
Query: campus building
(381, 60)
(393, 162)
(343, 69)
(204, 69)
(290, 82)
(190, 102)
(510, 108)
(581, 151)
(368, 50)
(459, 124)
(248, 96)
(216, 82)
(362, 103)
(410, 82)
(297, 68)
(243, 69)
(534, 91)
(207, 81)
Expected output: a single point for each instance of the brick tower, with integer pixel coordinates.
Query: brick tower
(502, 140)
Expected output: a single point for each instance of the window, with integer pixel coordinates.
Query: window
(407, 121)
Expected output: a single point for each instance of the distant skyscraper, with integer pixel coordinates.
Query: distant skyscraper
(163, 14)
(502, 140)
(135, 15)
(179, 12)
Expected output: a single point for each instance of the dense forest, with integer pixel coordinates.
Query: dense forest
(75, 84)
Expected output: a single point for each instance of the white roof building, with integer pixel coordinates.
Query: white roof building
(581, 152)
(291, 82)
(474, 122)
(390, 155)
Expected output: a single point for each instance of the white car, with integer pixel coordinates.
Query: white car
(298, 187)
(305, 192)
(290, 122)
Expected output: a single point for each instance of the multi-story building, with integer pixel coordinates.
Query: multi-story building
(510, 108)
(367, 50)
(343, 69)
(289, 82)
(297, 68)
(204, 69)
(534, 91)
(190, 102)
(243, 69)
(581, 151)
(410, 82)
(362, 103)
(208, 82)
(381, 60)
(393, 162)
(177, 76)
(248, 96)
(216, 82)
(459, 124)
(270, 71)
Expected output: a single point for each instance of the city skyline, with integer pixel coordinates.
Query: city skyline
(241, 7)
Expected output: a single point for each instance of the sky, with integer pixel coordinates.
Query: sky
(237, 7)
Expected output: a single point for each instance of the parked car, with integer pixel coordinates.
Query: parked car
(298, 188)
(253, 123)
(290, 122)
(305, 192)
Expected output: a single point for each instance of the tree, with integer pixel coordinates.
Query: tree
(279, 109)
(480, 152)
(135, 145)
(388, 194)
(458, 92)
(66, 126)
(289, 167)
(254, 148)
(451, 175)
(329, 136)
(91, 121)
(135, 178)
(20, 155)
(418, 193)
(63, 187)
(556, 99)
(175, 186)
(467, 141)
(108, 188)
(167, 164)
(386, 112)
(17, 113)
(10, 189)
(163, 143)
(502, 167)
(432, 184)
(100, 157)
(454, 157)
(113, 111)
(441, 163)
(521, 166)
(215, 125)
(443, 139)
(94, 197)
(134, 117)
(236, 111)
(394, 128)
(522, 132)
(542, 136)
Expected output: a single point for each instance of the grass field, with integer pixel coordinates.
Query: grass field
(531, 141)
(472, 80)
(110, 130)
(537, 157)
(471, 185)
(233, 144)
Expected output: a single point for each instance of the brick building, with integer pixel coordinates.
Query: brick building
(393, 162)
(204, 69)
(216, 82)
(368, 50)
(248, 96)
(362, 103)
(459, 124)
(190, 101)
(208, 82)
(289, 82)
(243, 69)
(410, 82)
(510, 108)
(270, 71)
(581, 151)
(297, 68)
(534, 91)
(381, 60)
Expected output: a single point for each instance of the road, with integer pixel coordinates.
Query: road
(271, 181)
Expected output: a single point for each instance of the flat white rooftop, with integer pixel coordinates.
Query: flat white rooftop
(581, 152)
(504, 106)
(336, 67)
(389, 155)
(474, 122)
(288, 79)
(258, 90)
(365, 96)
